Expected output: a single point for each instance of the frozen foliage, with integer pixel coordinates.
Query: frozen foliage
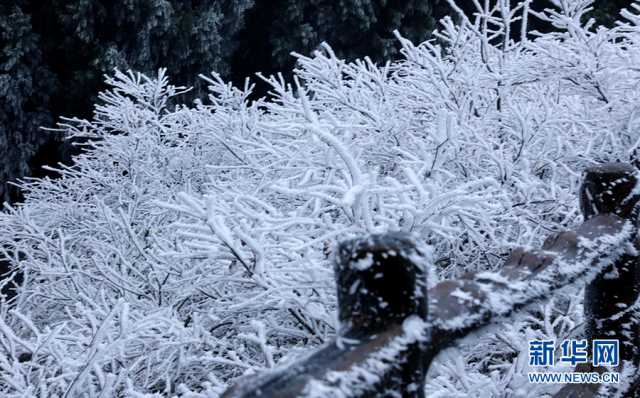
(191, 245)
(53, 54)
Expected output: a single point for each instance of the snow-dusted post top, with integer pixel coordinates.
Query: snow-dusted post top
(379, 282)
(610, 300)
(610, 188)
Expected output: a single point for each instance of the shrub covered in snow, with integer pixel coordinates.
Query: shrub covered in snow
(189, 245)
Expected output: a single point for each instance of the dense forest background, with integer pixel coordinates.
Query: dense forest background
(54, 53)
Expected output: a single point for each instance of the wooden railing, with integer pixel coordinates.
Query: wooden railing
(391, 326)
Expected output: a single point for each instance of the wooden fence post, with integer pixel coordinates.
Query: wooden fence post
(380, 283)
(608, 301)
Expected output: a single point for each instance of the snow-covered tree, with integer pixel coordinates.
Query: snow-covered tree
(54, 53)
(189, 245)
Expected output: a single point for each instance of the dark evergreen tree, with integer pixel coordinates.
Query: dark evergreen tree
(354, 29)
(25, 84)
(606, 12)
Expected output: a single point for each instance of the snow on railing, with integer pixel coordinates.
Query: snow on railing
(392, 327)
